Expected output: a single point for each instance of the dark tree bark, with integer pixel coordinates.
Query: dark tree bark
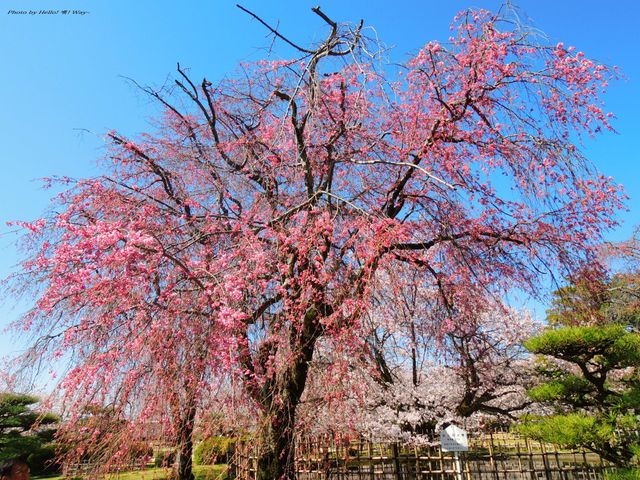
(280, 398)
(276, 459)
(184, 460)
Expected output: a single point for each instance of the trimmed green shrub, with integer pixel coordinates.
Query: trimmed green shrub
(44, 461)
(164, 459)
(213, 450)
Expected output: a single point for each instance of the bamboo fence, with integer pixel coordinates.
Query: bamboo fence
(493, 456)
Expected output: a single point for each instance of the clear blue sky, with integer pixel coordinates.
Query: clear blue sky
(60, 73)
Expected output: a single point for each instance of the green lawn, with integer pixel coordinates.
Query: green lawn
(208, 472)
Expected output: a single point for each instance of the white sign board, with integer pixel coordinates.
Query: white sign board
(454, 439)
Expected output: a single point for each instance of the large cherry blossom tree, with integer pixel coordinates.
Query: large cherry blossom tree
(475, 373)
(257, 219)
(422, 368)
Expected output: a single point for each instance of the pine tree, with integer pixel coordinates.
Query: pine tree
(24, 432)
(591, 381)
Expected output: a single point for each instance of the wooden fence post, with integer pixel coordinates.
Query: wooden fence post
(396, 460)
(443, 470)
(545, 462)
(492, 461)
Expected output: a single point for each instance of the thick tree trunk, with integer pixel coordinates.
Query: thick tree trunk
(276, 458)
(276, 455)
(184, 460)
(184, 468)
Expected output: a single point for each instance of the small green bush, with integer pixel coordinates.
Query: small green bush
(213, 450)
(210, 472)
(44, 461)
(164, 459)
(624, 474)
